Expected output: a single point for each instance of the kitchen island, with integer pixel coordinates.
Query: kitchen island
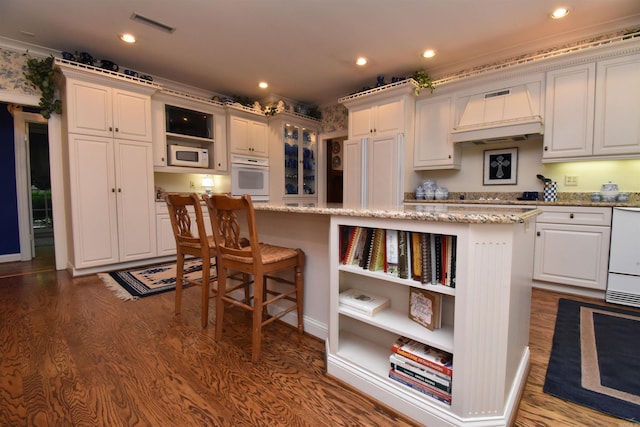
(306, 225)
(485, 317)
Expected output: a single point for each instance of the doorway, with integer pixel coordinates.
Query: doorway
(33, 185)
(334, 169)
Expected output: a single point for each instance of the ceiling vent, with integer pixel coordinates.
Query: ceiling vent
(157, 25)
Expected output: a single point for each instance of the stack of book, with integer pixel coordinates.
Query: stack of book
(422, 368)
(428, 258)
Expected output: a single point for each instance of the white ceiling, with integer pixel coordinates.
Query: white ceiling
(306, 49)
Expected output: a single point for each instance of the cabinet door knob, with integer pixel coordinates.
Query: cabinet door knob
(116, 129)
(113, 190)
(538, 234)
(546, 148)
(110, 129)
(571, 215)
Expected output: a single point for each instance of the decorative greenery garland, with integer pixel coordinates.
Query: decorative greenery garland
(424, 81)
(41, 75)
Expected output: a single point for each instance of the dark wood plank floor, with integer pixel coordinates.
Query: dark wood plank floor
(73, 354)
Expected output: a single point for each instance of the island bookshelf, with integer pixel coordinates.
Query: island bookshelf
(485, 322)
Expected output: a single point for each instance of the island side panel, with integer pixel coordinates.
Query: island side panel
(491, 300)
(309, 232)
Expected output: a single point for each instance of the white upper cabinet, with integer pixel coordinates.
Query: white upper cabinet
(385, 117)
(593, 110)
(433, 148)
(617, 114)
(99, 110)
(569, 104)
(248, 134)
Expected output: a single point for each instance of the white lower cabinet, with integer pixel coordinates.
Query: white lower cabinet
(485, 322)
(572, 246)
(164, 232)
(112, 205)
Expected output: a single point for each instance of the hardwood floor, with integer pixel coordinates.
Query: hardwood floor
(71, 353)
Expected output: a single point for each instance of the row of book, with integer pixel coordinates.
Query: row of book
(422, 368)
(429, 258)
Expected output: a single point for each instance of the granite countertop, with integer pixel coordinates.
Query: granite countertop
(564, 199)
(439, 212)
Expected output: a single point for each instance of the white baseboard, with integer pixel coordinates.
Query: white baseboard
(9, 258)
(567, 289)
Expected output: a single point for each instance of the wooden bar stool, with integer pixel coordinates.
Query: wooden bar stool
(250, 262)
(183, 210)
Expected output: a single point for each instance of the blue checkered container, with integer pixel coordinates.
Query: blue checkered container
(550, 191)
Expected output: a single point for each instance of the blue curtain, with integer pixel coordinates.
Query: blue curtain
(10, 241)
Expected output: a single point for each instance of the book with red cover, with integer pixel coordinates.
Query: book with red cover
(346, 231)
(436, 359)
(421, 387)
(445, 380)
(423, 374)
(349, 253)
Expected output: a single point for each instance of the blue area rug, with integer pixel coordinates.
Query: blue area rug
(595, 358)
(150, 280)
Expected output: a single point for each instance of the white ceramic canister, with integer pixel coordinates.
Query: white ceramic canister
(442, 193)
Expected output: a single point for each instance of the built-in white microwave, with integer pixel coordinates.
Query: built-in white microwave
(194, 157)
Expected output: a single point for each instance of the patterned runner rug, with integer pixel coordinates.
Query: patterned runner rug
(595, 358)
(149, 280)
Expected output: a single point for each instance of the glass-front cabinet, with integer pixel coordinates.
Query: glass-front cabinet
(300, 157)
(294, 166)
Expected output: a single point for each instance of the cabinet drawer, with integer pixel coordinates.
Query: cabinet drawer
(575, 215)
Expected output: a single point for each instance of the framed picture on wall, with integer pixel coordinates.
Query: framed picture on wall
(501, 167)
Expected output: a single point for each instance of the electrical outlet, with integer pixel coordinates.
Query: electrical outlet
(192, 184)
(571, 181)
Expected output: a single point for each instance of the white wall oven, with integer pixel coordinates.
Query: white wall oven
(250, 175)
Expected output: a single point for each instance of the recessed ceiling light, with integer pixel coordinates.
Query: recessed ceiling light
(429, 53)
(560, 12)
(263, 85)
(361, 61)
(127, 38)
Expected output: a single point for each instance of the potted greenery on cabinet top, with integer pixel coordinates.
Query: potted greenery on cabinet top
(41, 74)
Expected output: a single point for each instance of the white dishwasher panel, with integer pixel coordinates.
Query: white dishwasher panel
(624, 255)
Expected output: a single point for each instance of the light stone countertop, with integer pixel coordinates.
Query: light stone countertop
(504, 198)
(440, 212)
